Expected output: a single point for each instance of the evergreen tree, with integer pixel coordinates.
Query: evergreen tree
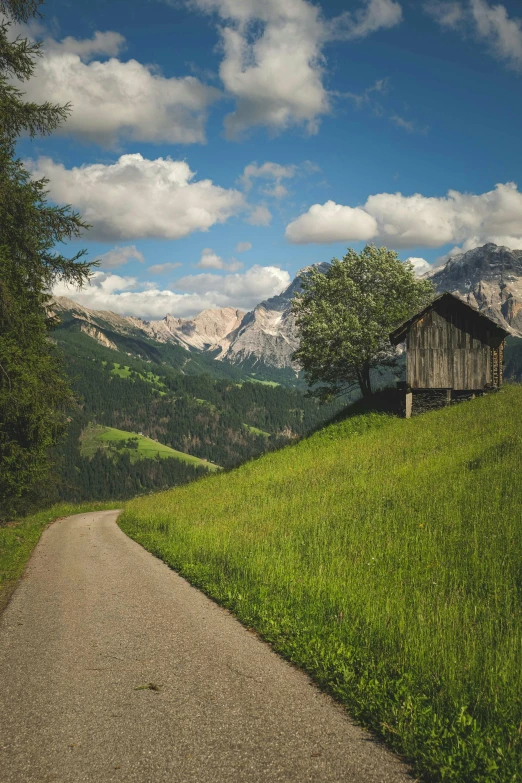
(33, 393)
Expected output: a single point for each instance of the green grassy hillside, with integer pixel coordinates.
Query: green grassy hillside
(384, 556)
(96, 436)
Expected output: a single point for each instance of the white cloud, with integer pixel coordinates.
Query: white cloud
(115, 99)
(269, 171)
(273, 62)
(204, 291)
(210, 260)
(119, 256)
(104, 283)
(374, 15)
(448, 13)
(160, 269)
(331, 222)
(149, 303)
(242, 247)
(259, 216)
(489, 23)
(399, 221)
(420, 265)
(136, 197)
(108, 44)
(238, 290)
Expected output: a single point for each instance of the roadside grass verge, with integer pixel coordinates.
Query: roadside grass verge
(383, 556)
(19, 538)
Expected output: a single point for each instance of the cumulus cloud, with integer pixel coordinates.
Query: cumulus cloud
(273, 62)
(136, 197)
(148, 303)
(273, 172)
(489, 23)
(105, 283)
(413, 221)
(204, 291)
(242, 247)
(108, 44)
(239, 290)
(210, 260)
(420, 265)
(119, 256)
(114, 99)
(331, 222)
(160, 269)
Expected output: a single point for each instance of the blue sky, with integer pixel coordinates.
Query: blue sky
(218, 146)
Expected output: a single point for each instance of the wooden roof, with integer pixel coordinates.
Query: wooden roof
(399, 334)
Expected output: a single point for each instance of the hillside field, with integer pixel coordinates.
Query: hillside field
(96, 436)
(383, 556)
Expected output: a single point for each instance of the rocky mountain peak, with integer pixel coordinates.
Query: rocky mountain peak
(489, 278)
(267, 334)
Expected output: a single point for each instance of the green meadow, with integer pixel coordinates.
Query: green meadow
(256, 430)
(96, 436)
(383, 556)
(124, 371)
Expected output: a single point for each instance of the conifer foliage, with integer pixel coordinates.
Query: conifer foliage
(33, 393)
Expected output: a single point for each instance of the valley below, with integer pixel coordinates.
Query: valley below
(220, 388)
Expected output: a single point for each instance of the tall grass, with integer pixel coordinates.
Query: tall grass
(385, 557)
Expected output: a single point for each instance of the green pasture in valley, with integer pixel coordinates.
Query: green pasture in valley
(256, 430)
(96, 436)
(124, 371)
(265, 383)
(382, 555)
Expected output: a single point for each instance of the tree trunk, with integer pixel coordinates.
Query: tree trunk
(363, 378)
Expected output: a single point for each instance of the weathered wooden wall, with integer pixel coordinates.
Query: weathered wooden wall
(451, 348)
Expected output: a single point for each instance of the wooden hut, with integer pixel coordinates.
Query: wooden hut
(453, 352)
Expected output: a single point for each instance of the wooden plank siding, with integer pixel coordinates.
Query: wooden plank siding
(451, 348)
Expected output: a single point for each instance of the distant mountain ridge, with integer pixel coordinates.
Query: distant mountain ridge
(488, 277)
(207, 331)
(265, 336)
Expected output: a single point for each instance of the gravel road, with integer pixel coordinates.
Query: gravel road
(95, 619)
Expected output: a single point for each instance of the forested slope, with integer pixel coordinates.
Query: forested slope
(225, 420)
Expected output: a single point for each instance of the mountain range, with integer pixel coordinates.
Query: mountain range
(488, 277)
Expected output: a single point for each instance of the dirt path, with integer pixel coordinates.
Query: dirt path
(95, 618)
